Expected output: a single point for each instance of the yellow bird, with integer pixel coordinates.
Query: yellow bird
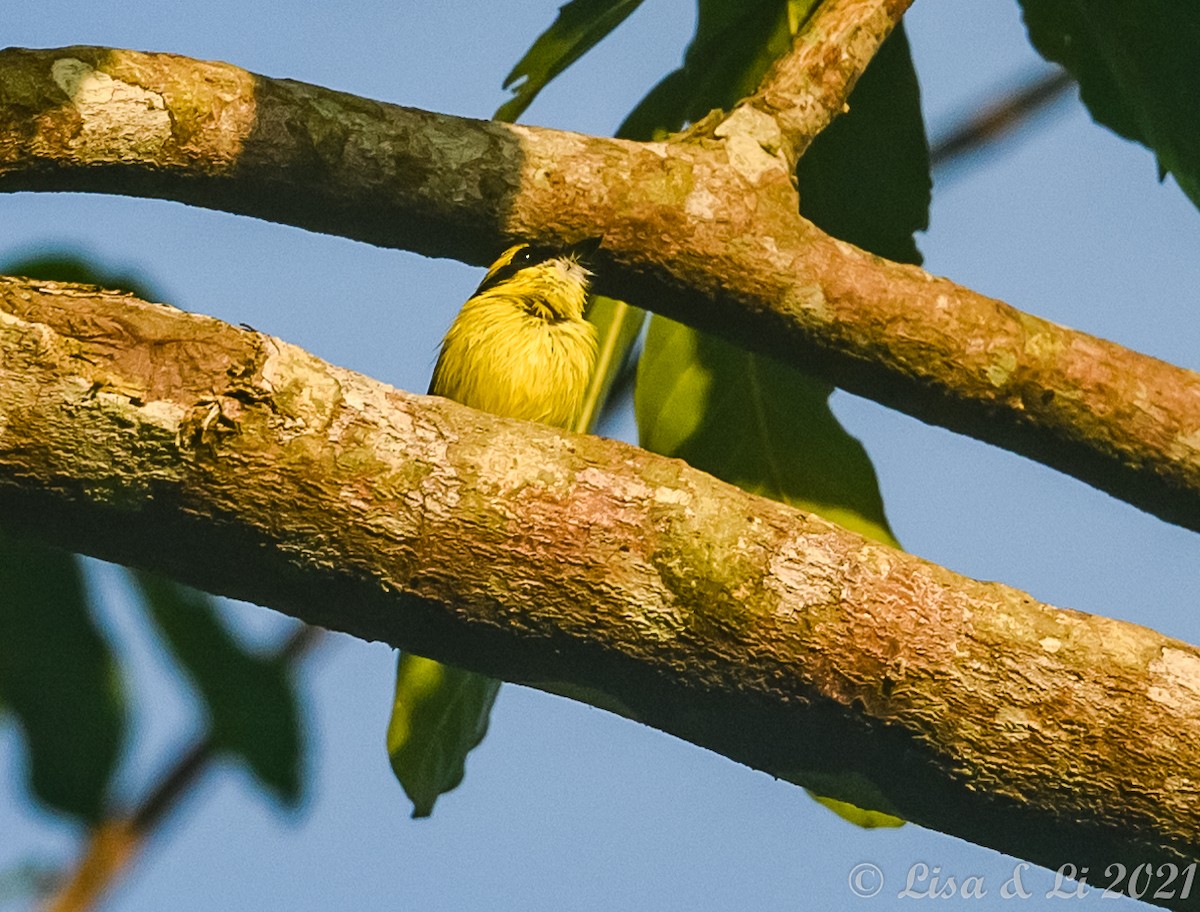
(520, 348)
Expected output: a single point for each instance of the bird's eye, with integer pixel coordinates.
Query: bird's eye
(525, 256)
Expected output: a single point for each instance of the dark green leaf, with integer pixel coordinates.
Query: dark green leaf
(1138, 67)
(251, 704)
(58, 678)
(440, 714)
(580, 26)
(865, 178)
(65, 266)
(734, 45)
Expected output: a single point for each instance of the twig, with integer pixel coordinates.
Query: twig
(1000, 118)
(115, 843)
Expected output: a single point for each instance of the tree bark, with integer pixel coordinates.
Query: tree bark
(702, 228)
(807, 87)
(243, 465)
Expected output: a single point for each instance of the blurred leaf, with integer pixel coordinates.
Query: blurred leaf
(617, 328)
(251, 704)
(1138, 68)
(66, 266)
(27, 881)
(440, 715)
(58, 678)
(580, 26)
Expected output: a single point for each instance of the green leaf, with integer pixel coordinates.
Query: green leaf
(617, 328)
(58, 678)
(865, 178)
(756, 423)
(868, 820)
(580, 26)
(734, 45)
(440, 714)
(1138, 68)
(251, 704)
(67, 266)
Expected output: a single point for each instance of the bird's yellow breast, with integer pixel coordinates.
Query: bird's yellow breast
(507, 355)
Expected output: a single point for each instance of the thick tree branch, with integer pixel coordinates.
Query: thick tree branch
(808, 87)
(241, 464)
(704, 231)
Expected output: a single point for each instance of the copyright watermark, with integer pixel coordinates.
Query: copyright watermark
(866, 880)
(924, 881)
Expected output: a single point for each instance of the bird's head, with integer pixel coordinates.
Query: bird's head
(524, 268)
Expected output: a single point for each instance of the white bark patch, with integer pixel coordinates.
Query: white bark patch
(164, 414)
(752, 141)
(702, 204)
(802, 574)
(1175, 680)
(306, 393)
(120, 120)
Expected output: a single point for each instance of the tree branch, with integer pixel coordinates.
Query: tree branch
(704, 231)
(240, 464)
(997, 118)
(808, 87)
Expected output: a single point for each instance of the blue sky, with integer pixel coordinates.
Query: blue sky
(566, 807)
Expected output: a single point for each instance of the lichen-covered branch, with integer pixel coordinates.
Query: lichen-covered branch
(702, 230)
(241, 464)
(808, 87)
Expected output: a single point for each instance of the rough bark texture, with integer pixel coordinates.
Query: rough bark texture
(703, 230)
(232, 460)
(807, 88)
